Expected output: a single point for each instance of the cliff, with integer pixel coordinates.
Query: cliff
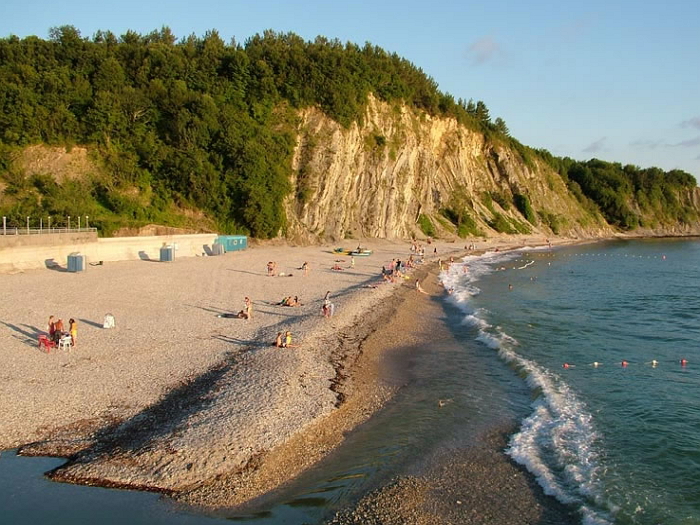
(377, 179)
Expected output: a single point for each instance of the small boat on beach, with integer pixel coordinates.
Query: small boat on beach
(361, 253)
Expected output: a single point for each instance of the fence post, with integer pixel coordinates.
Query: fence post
(49, 223)
(78, 223)
(4, 225)
(27, 225)
(69, 224)
(87, 222)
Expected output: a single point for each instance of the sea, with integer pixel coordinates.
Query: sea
(607, 338)
(589, 352)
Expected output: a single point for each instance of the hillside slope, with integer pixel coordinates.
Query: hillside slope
(379, 178)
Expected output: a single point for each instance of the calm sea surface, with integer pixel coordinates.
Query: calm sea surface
(621, 444)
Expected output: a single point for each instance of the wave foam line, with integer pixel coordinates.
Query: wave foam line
(556, 443)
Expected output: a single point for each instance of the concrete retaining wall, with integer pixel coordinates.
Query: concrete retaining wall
(44, 255)
(46, 239)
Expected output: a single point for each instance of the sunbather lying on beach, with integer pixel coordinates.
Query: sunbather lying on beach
(337, 267)
(290, 301)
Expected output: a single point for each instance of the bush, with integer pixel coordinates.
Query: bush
(426, 225)
(522, 203)
(501, 224)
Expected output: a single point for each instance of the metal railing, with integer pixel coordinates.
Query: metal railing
(14, 230)
(80, 224)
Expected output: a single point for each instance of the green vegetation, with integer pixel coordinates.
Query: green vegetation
(628, 196)
(522, 203)
(200, 133)
(196, 124)
(457, 212)
(426, 225)
(552, 220)
(501, 224)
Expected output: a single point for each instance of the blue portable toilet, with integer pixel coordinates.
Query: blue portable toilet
(167, 254)
(233, 243)
(76, 262)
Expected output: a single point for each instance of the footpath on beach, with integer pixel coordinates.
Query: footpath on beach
(179, 393)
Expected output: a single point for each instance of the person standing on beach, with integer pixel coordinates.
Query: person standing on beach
(57, 330)
(73, 329)
(327, 308)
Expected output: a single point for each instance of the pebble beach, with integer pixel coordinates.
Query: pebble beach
(179, 398)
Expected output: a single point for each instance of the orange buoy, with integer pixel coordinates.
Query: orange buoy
(624, 363)
(684, 362)
(565, 365)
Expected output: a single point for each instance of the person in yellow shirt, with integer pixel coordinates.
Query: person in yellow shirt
(73, 329)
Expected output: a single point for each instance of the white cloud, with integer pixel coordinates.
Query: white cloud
(691, 143)
(648, 144)
(484, 50)
(595, 147)
(691, 123)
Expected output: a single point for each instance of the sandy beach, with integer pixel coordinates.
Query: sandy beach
(176, 398)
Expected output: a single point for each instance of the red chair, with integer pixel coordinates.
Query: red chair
(46, 343)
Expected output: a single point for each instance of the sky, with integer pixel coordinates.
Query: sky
(617, 80)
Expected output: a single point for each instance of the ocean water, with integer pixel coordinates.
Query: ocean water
(598, 332)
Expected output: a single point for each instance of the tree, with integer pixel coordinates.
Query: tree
(501, 127)
(482, 112)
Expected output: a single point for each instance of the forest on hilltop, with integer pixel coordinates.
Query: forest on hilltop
(200, 124)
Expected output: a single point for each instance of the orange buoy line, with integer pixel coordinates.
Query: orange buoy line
(624, 363)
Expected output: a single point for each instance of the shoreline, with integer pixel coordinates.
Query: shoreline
(155, 444)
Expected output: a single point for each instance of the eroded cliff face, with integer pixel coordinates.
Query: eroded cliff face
(377, 178)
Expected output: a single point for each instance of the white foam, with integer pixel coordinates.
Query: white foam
(557, 442)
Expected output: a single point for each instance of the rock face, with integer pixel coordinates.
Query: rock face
(377, 178)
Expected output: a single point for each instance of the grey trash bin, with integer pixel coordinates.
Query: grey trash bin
(217, 249)
(167, 254)
(76, 262)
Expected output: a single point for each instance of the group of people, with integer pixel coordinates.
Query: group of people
(290, 301)
(57, 331)
(418, 248)
(397, 269)
(284, 340)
